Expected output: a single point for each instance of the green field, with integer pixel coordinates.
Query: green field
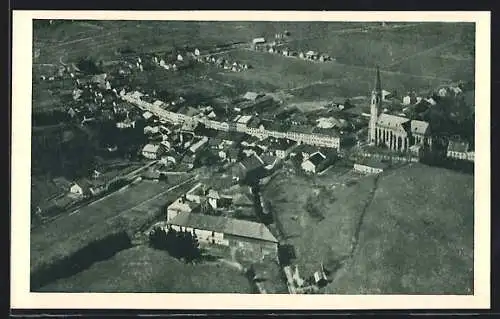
(416, 235)
(419, 56)
(143, 269)
(126, 210)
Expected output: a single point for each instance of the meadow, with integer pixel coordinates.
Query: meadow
(126, 210)
(143, 269)
(406, 232)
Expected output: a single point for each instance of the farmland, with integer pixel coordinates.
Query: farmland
(415, 235)
(143, 269)
(124, 211)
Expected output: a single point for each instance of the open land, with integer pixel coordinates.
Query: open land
(143, 269)
(127, 211)
(413, 233)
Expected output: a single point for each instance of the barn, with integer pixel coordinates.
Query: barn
(251, 239)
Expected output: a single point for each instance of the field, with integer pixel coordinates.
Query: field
(143, 269)
(126, 210)
(418, 56)
(406, 232)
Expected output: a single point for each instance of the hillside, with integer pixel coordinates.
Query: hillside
(417, 236)
(408, 231)
(143, 269)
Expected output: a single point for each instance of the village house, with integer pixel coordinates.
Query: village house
(253, 240)
(80, 188)
(306, 150)
(153, 151)
(196, 147)
(315, 163)
(180, 205)
(281, 148)
(459, 150)
(370, 166)
(252, 167)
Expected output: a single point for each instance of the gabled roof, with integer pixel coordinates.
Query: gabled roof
(419, 127)
(251, 96)
(225, 225)
(268, 159)
(391, 121)
(242, 199)
(151, 148)
(307, 148)
(316, 158)
(252, 162)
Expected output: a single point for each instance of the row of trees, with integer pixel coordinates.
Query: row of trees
(179, 244)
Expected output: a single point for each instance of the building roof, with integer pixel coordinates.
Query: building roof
(268, 159)
(225, 225)
(458, 146)
(84, 183)
(307, 148)
(316, 158)
(252, 162)
(419, 127)
(251, 96)
(391, 121)
(242, 199)
(214, 141)
(151, 148)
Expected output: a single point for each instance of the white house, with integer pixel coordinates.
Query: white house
(179, 57)
(313, 163)
(76, 189)
(180, 205)
(196, 52)
(153, 151)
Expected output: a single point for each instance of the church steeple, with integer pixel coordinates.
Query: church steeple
(378, 84)
(375, 106)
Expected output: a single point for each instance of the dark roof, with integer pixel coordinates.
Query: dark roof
(254, 122)
(242, 199)
(214, 141)
(307, 148)
(252, 162)
(317, 158)
(329, 132)
(301, 128)
(84, 183)
(268, 159)
(458, 146)
(225, 225)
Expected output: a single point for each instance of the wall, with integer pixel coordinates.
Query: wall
(367, 169)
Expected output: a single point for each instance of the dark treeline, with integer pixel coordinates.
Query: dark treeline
(179, 244)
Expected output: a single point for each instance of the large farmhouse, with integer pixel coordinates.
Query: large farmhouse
(252, 239)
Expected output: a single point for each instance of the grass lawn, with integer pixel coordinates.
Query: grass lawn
(143, 269)
(126, 210)
(416, 235)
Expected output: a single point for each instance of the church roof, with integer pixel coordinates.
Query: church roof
(419, 127)
(391, 121)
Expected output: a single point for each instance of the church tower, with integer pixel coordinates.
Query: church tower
(375, 106)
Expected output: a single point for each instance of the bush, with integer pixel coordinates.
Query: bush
(179, 244)
(312, 208)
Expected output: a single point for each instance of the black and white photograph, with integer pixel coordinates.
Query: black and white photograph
(263, 156)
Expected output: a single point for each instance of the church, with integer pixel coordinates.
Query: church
(395, 132)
